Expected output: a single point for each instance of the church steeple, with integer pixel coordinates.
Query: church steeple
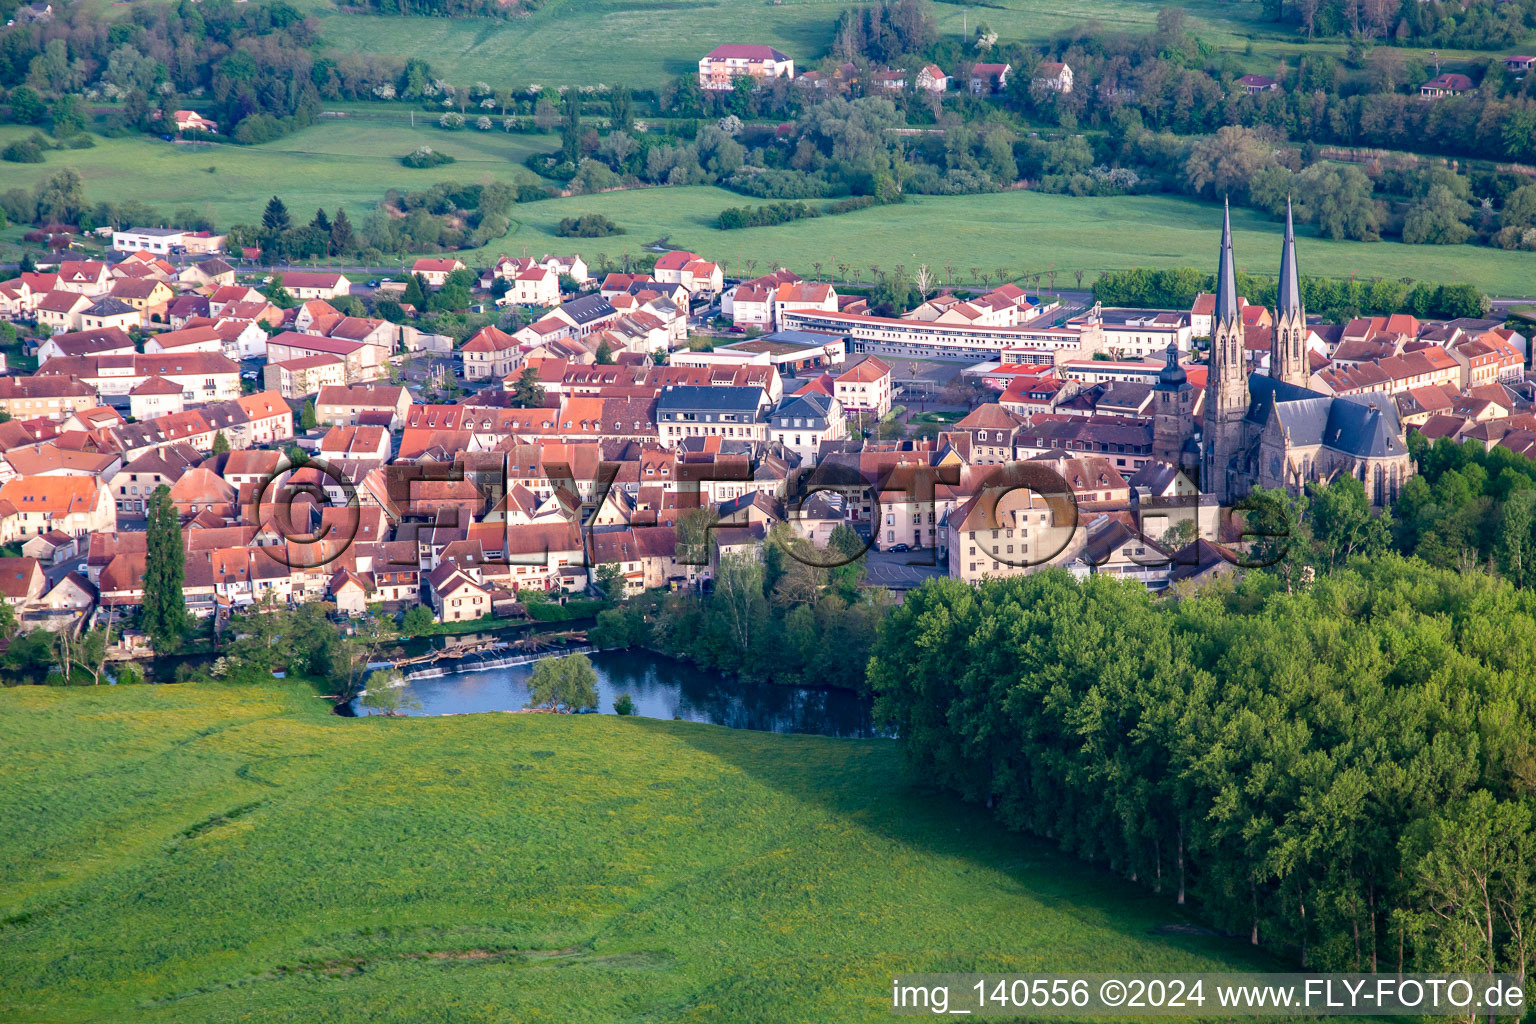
(1226, 274)
(1226, 384)
(1289, 299)
(1288, 353)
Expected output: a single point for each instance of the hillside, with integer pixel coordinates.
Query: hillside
(197, 853)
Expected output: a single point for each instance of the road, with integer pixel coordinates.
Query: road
(894, 569)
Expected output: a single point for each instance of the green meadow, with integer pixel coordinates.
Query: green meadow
(349, 161)
(641, 43)
(205, 853)
(352, 161)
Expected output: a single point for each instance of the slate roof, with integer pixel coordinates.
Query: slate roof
(1365, 426)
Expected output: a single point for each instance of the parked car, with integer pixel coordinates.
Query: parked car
(900, 547)
(374, 283)
(738, 330)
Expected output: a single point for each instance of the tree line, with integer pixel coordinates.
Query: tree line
(1335, 300)
(1339, 767)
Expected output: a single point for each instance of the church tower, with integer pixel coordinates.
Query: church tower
(1288, 352)
(1226, 386)
(1173, 409)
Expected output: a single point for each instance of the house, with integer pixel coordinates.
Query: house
(74, 505)
(719, 69)
(140, 478)
(111, 341)
(45, 397)
(1448, 84)
(696, 275)
(455, 595)
(346, 406)
(149, 296)
(1519, 65)
(21, 581)
(931, 79)
(690, 410)
(801, 422)
(362, 360)
(316, 285)
(1054, 76)
(355, 443)
(1255, 84)
(889, 80)
(190, 339)
(989, 79)
(268, 418)
(535, 286)
(192, 121)
(213, 273)
(864, 387)
(435, 270)
(305, 375)
(803, 295)
(51, 548)
(203, 376)
(490, 352)
(155, 397)
(60, 311)
(88, 277)
(1010, 528)
(110, 312)
(349, 591)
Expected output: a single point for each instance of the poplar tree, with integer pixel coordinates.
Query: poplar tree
(165, 609)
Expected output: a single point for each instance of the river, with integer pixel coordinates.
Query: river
(660, 688)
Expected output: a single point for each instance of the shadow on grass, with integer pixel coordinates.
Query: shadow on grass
(876, 792)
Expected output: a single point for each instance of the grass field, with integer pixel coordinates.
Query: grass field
(338, 161)
(1023, 232)
(202, 853)
(352, 162)
(643, 42)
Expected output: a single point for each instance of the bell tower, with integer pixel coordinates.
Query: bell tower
(1226, 386)
(1173, 409)
(1288, 351)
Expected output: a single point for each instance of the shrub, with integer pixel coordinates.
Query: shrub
(735, 217)
(22, 152)
(588, 225)
(426, 156)
(452, 122)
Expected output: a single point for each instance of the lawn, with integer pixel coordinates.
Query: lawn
(199, 853)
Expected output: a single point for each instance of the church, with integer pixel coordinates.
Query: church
(1273, 431)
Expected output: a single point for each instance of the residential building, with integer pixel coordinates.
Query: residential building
(1054, 76)
(435, 270)
(73, 505)
(1448, 84)
(490, 352)
(931, 79)
(316, 285)
(989, 79)
(864, 387)
(719, 69)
